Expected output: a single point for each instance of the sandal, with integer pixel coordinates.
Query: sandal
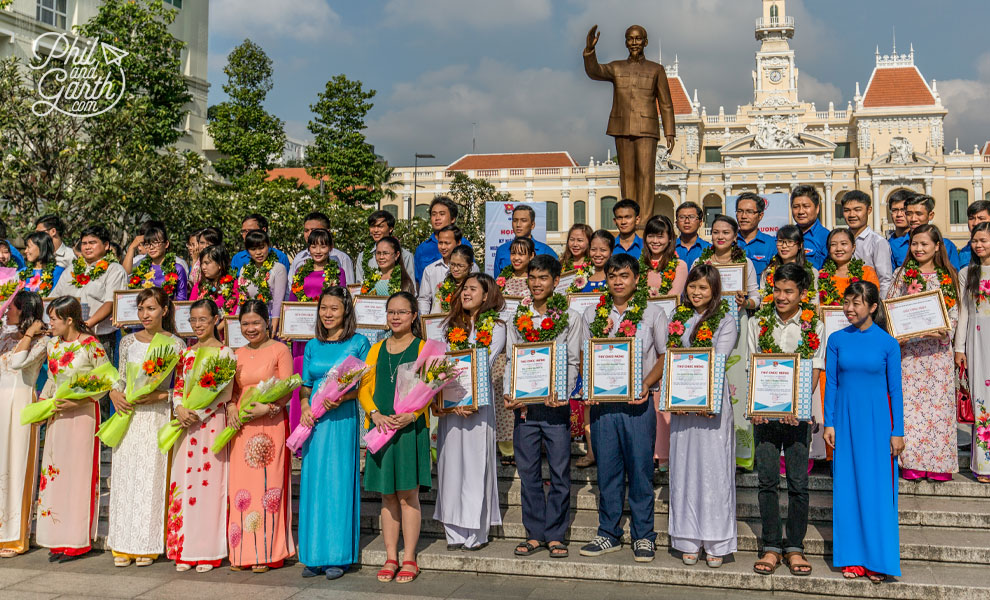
(853, 572)
(144, 561)
(405, 575)
(386, 575)
(980, 478)
(528, 548)
(764, 566)
(584, 462)
(508, 461)
(260, 569)
(689, 558)
(121, 561)
(799, 569)
(713, 562)
(8, 553)
(876, 578)
(182, 568)
(204, 568)
(557, 550)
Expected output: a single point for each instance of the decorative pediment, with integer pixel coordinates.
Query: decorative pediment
(791, 144)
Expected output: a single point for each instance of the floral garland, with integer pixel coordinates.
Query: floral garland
(458, 338)
(584, 272)
(258, 276)
(331, 277)
(809, 322)
(554, 322)
(507, 273)
(570, 265)
(827, 294)
(983, 294)
(666, 283)
(81, 275)
(10, 264)
(45, 281)
(709, 253)
(767, 293)
(706, 331)
(602, 324)
(375, 275)
(222, 292)
(143, 276)
(445, 293)
(915, 281)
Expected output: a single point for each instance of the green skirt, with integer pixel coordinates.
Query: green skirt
(403, 464)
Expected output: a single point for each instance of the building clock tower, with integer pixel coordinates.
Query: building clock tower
(775, 77)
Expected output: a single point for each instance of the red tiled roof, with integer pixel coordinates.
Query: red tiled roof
(293, 172)
(475, 162)
(986, 149)
(679, 95)
(897, 86)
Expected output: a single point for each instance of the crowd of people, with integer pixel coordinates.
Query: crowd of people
(880, 403)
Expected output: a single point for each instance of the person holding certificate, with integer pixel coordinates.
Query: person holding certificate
(702, 468)
(927, 364)
(864, 424)
(790, 326)
(546, 319)
(790, 249)
(973, 340)
(622, 432)
(467, 498)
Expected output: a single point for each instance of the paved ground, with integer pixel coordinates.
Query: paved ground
(31, 576)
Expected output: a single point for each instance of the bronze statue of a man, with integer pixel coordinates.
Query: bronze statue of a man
(639, 87)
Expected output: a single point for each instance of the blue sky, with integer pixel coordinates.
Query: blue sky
(514, 66)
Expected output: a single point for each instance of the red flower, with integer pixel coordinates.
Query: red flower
(205, 483)
(82, 279)
(43, 484)
(822, 275)
(135, 280)
(192, 502)
(193, 442)
(66, 358)
(207, 466)
(601, 301)
(188, 469)
(226, 279)
(547, 324)
(911, 272)
(205, 449)
(813, 341)
(532, 335)
(207, 380)
(190, 454)
(53, 366)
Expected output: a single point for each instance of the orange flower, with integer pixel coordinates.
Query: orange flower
(704, 334)
(525, 322)
(484, 338)
(807, 314)
(668, 274)
(950, 302)
(458, 335)
(946, 280)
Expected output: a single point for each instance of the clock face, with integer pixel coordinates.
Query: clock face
(775, 76)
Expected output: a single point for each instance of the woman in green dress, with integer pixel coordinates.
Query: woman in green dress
(402, 468)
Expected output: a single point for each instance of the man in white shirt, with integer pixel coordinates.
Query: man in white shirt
(448, 238)
(381, 223)
(54, 226)
(318, 220)
(871, 247)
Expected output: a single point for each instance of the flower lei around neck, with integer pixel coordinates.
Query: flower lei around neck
(445, 293)
(706, 331)
(916, 283)
(258, 276)
(669, 272)
(483, 325)
(552, 324)
(10, 264)
(81, 275)
(584, 272)
(331, 277)
(46, 281)
(143, 276)
(375, 275)
(708, 256)
(601, 327)
(222, 292)
(766, 294)
(828, 295)
(505, 275)
(809, 322)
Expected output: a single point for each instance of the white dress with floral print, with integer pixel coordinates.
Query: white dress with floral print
(973, 338)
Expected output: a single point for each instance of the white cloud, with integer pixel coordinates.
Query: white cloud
(309, 20)
(474, 13)
(820, 92)
(967, 101)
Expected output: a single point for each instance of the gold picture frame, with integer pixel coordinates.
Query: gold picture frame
(630, 382)
(366, 298)
(425, 321)
(795, 401)
(287, 308)
(742, 267)
(709, 405)
(446, 391)
(943, 312)
(552, 346)
(117, 303)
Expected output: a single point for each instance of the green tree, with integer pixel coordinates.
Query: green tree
(244, 132)
(383, 182)
(470, 195)
(339, 151)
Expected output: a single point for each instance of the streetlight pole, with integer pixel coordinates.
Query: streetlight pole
(416, 158)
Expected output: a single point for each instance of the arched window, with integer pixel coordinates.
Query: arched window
(423, 211)
(391, 208)
(607, 218)
(581, 214)
(958, 201)
(987, 196)
(552, 216)
(774, 12)
(840, 219)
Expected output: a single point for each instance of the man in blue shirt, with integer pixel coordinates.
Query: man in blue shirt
(919, 209)
(14, 254)
(689, 246)
(625, 213)
(759, 247)
(254, 222)
(898, 238)
(443, 212)
(523, 222)
(805, 206)
(978, 212)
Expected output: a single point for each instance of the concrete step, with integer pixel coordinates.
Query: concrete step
(920, 580)
(971, 546)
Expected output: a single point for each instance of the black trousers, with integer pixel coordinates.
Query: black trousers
(794, 440)
(544, 516)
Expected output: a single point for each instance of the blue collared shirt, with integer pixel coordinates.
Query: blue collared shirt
(689, 255)
(14, 254)
(965, 255)
(954, 258)
(634, 250)
(428, 253)
(502, 254)
(898, 248)
(815, 244)
(760, 250)
(242, 258)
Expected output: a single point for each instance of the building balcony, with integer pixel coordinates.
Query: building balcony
(781, 25)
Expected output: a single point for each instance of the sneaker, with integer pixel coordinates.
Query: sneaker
(600, 545)
(644, 550)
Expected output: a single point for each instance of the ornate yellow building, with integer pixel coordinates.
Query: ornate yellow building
(889, 137)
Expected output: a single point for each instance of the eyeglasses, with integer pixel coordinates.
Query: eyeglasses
(398, 313)
(747, 212)
(199, 320)
(688, 218)
(896, 211)
(786, 243)
(156, 244)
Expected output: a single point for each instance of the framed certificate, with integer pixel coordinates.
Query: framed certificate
(773, 385)
(580, 301)
(354, 289)
(834, 320)
(511, 304)
(668, 303)
(370, 311)
(610, 369)
(182, 327)
(690, 376)
(298, 320)
(235, 339)
(566, 279)
(733, 277)
(125, 308)
(433, 326)
(463, 392)
(916, 315)
(533, 372)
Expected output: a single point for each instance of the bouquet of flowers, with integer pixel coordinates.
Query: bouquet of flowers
(142, 379)
(95, 382)
(210, 374)
(266, 392)
(10, 284)
(415, 386)
(337, 382)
